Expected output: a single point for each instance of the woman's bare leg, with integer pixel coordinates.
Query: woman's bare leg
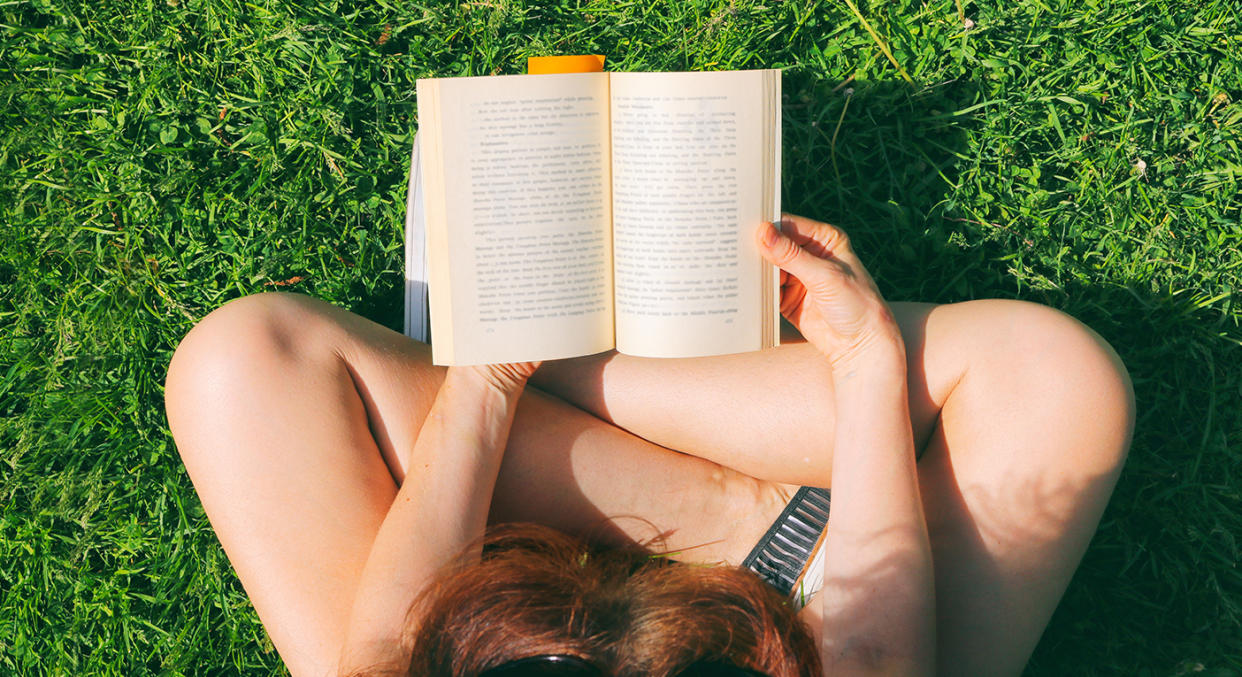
(767, 414)
(289, 414)
(1023, 414)
(1010, 424)
(1017, 474)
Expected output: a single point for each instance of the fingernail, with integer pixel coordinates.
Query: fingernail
(770, 235)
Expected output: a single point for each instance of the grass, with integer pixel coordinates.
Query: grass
(160, 158)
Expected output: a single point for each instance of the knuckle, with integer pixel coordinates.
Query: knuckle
(830, 236)
(787, 251)
(836, 238)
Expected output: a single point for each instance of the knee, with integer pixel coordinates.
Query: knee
(1085, 368)
(234, 350)
(246, 332)
(1062, 367)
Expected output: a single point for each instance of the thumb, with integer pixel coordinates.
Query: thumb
(781, 251)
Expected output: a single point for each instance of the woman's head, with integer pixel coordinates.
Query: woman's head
(538, 592)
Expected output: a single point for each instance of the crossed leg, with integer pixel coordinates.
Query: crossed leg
(1022, 415)
(291, 416)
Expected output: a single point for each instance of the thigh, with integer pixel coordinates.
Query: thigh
(1017, 472)
(290, 414)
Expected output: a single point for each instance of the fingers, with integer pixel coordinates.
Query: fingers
(816, 271)
(826, 293)
(820, 239)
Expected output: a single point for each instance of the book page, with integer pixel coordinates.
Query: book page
(691, 182)
(519, 239)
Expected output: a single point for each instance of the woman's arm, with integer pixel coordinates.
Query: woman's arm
(878, 599)
(441, 508)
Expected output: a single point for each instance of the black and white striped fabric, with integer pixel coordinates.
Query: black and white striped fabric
(783, 552)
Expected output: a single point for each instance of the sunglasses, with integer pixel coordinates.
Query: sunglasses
(572, 666)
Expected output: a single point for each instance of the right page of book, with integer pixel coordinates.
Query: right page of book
(696, 169)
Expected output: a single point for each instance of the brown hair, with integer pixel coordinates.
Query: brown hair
(537, 591)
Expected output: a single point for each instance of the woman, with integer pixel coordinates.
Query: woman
(342, 472)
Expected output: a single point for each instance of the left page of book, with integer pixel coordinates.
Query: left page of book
(516, 171)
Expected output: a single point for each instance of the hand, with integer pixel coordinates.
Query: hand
(507, 378)
(827, 294)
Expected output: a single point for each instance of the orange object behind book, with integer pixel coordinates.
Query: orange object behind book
(579, 63)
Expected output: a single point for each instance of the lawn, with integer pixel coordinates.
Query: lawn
(160, 158)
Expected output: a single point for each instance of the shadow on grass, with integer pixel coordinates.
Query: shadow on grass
(381, 301)
(1158, 588)
(877, 159)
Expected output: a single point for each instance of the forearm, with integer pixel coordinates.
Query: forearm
(442, 507)
(878, 595)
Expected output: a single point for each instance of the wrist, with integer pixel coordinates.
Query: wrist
(476, 382)
(878, 356)
(501, 378)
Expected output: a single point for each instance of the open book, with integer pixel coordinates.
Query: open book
(571, 214)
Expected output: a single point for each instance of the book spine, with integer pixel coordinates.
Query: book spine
(771, 291)
(432, 156)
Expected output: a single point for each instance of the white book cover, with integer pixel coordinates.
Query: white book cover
(417, 318)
